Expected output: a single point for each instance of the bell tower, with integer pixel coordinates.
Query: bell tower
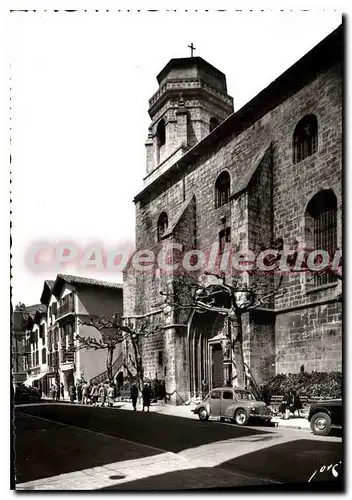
(191, 101)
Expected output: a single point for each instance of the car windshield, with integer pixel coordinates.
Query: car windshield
(246, 395)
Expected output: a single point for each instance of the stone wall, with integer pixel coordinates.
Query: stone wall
(293, 185)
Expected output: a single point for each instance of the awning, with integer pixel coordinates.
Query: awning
(33, 378)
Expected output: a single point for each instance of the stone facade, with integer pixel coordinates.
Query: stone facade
(269, 194)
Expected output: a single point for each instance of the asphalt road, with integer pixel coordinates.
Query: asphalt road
(150, 451)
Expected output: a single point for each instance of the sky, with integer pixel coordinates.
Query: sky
(80, 84)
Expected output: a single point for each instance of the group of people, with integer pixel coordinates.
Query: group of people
(85, 393)
(146, 396)
(290, 403)
(100, 395)
(96, 395)
(56, 391)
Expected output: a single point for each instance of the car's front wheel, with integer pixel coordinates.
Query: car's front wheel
(241, 417)
(203, 414)
(320, 423)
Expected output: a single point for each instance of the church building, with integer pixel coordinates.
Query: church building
(272, 169)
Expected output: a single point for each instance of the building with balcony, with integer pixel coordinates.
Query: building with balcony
(71, 301)
(25, 353)
(36, 362)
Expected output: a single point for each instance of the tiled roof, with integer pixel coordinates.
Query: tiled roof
(80, 281)
(34, 308)
(47, 291)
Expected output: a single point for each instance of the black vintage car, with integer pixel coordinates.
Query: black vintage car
(24, 394)
(324, 415)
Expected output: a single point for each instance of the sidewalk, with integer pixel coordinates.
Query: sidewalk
(185, 411)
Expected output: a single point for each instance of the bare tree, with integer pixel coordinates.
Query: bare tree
(114, 331)
(235, 295)
(136, 328)
(111, 335)
(231, 296)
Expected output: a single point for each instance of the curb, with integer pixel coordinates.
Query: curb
(297, 426)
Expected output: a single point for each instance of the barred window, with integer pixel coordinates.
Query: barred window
(305, 138)
(162, 225)
(222, 189)
(321, 216)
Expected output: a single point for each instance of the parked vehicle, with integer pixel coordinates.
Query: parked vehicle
(232, 404)
(325, 415)
(24, 394)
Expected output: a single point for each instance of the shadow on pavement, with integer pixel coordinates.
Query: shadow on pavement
(294, 461)
(164, 432)
(190, 479)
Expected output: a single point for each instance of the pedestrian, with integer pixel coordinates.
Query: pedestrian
(57, 392)
(266, 394)
(111, 395)
(146, 396)
(62, 390)
(293, 403)
(283, 405)
(53, 392)
(72, 393)
(205, 388)
(79, 392)
(94, 394)
(102, 394)
(134, 396)
(85, 393)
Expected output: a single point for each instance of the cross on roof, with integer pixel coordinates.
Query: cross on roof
(192, 47)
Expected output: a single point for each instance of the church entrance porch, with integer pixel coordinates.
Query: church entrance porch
(209, 366)
(211, 358)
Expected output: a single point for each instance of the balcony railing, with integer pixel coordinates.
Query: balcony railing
(67, 308)
(67, 356)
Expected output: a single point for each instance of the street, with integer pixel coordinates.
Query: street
(84, 448)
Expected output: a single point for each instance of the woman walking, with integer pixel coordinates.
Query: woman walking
(85, 393)
(134, 396)
(111, 395)
(79, 392)
(94, 395)
(102, 394)
(72, 393)
(146, 393)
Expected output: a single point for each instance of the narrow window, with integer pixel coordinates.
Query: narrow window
(305, 138)
(162, 225)
(222, 189)
(160, 133)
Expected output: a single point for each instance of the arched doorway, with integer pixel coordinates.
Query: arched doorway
(206, 357)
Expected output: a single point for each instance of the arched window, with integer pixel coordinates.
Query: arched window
(213, 124)
(160, 133)
(321, 228)
(162, 225)
(305, 138)
(222, 189)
